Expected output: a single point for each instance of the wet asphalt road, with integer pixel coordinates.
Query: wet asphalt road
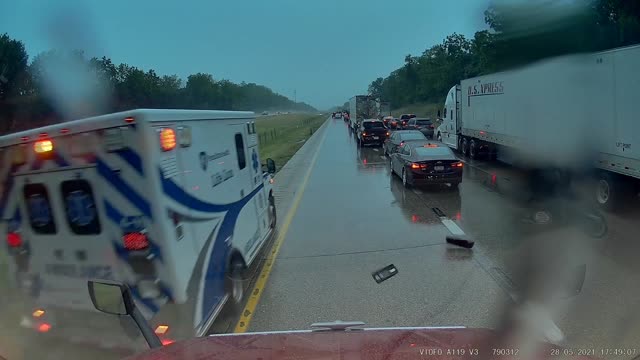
(354, 218)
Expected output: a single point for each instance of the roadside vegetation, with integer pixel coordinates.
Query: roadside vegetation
(33, 89)
(518, 34)
(281, 136)
(421, 110)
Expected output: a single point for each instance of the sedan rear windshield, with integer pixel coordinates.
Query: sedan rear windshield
(438, 151)
(373, 125)
(412, 136)
(423, 122)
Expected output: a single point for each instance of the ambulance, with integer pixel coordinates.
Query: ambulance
(174, 203)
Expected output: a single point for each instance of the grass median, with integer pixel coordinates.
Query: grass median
(281, 136)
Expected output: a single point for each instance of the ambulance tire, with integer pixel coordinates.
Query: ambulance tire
(272, 212)
(235, 283)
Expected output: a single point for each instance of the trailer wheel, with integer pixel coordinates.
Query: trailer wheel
(465, 147)
(473, 149)
(611, 191)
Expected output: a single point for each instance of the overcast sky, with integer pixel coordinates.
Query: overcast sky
(325, 50)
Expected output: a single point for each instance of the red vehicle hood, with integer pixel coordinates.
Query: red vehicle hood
(385, 343)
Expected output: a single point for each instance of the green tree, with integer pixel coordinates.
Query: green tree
(13, 68)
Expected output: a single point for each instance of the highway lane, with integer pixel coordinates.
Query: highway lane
(354, 218)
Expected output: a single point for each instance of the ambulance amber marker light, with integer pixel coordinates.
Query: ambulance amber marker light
(162, 329)
(43, 146)
(167, 139)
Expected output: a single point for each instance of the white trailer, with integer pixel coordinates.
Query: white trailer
(363, 107)
(558, 112)
(173, 203)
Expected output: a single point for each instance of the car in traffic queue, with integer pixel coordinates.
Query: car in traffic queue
(372, 131)
(393, 123)
(424, 125)
(398, 138)
(337, 115)
(386, 120)
(424, 164)
(404, 119)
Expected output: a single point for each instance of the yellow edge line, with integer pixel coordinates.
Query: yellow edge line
(256, 293)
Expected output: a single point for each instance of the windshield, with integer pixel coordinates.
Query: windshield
(373, 125)
(198, 154)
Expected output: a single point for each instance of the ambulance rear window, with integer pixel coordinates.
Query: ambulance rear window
(80, 207)
(39, 209)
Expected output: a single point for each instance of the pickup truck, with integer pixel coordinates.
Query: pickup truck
(372, 131)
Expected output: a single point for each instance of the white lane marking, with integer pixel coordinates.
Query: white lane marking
(416, 191)
(374, 149)
(452, 226)
(383, 157)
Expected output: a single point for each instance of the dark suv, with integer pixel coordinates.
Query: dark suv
(404, 119)
(372, 131)
(424, 125)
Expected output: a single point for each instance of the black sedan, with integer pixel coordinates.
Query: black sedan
(397, 138)
(423, 164)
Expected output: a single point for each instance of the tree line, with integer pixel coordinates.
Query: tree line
(517, 34)
(61, 85)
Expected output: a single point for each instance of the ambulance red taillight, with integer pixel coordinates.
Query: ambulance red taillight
(135, 241)
(14, 240)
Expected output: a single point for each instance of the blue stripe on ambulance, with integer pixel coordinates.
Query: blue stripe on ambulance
(214, 278)
(125, 189)
(8, 186)
(132, 158)
(114, 215)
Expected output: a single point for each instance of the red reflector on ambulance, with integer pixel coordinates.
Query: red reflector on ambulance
(14, 240)
(135, 241)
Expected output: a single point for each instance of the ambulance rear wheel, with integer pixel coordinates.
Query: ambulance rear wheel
(272, 212)
(235, 284)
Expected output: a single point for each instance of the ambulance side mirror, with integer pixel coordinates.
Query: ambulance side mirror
(271, 166)
(116, 299)
(110, 298)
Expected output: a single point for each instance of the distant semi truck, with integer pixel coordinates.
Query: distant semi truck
(557, 113)
(363, 107)
(385, 108)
